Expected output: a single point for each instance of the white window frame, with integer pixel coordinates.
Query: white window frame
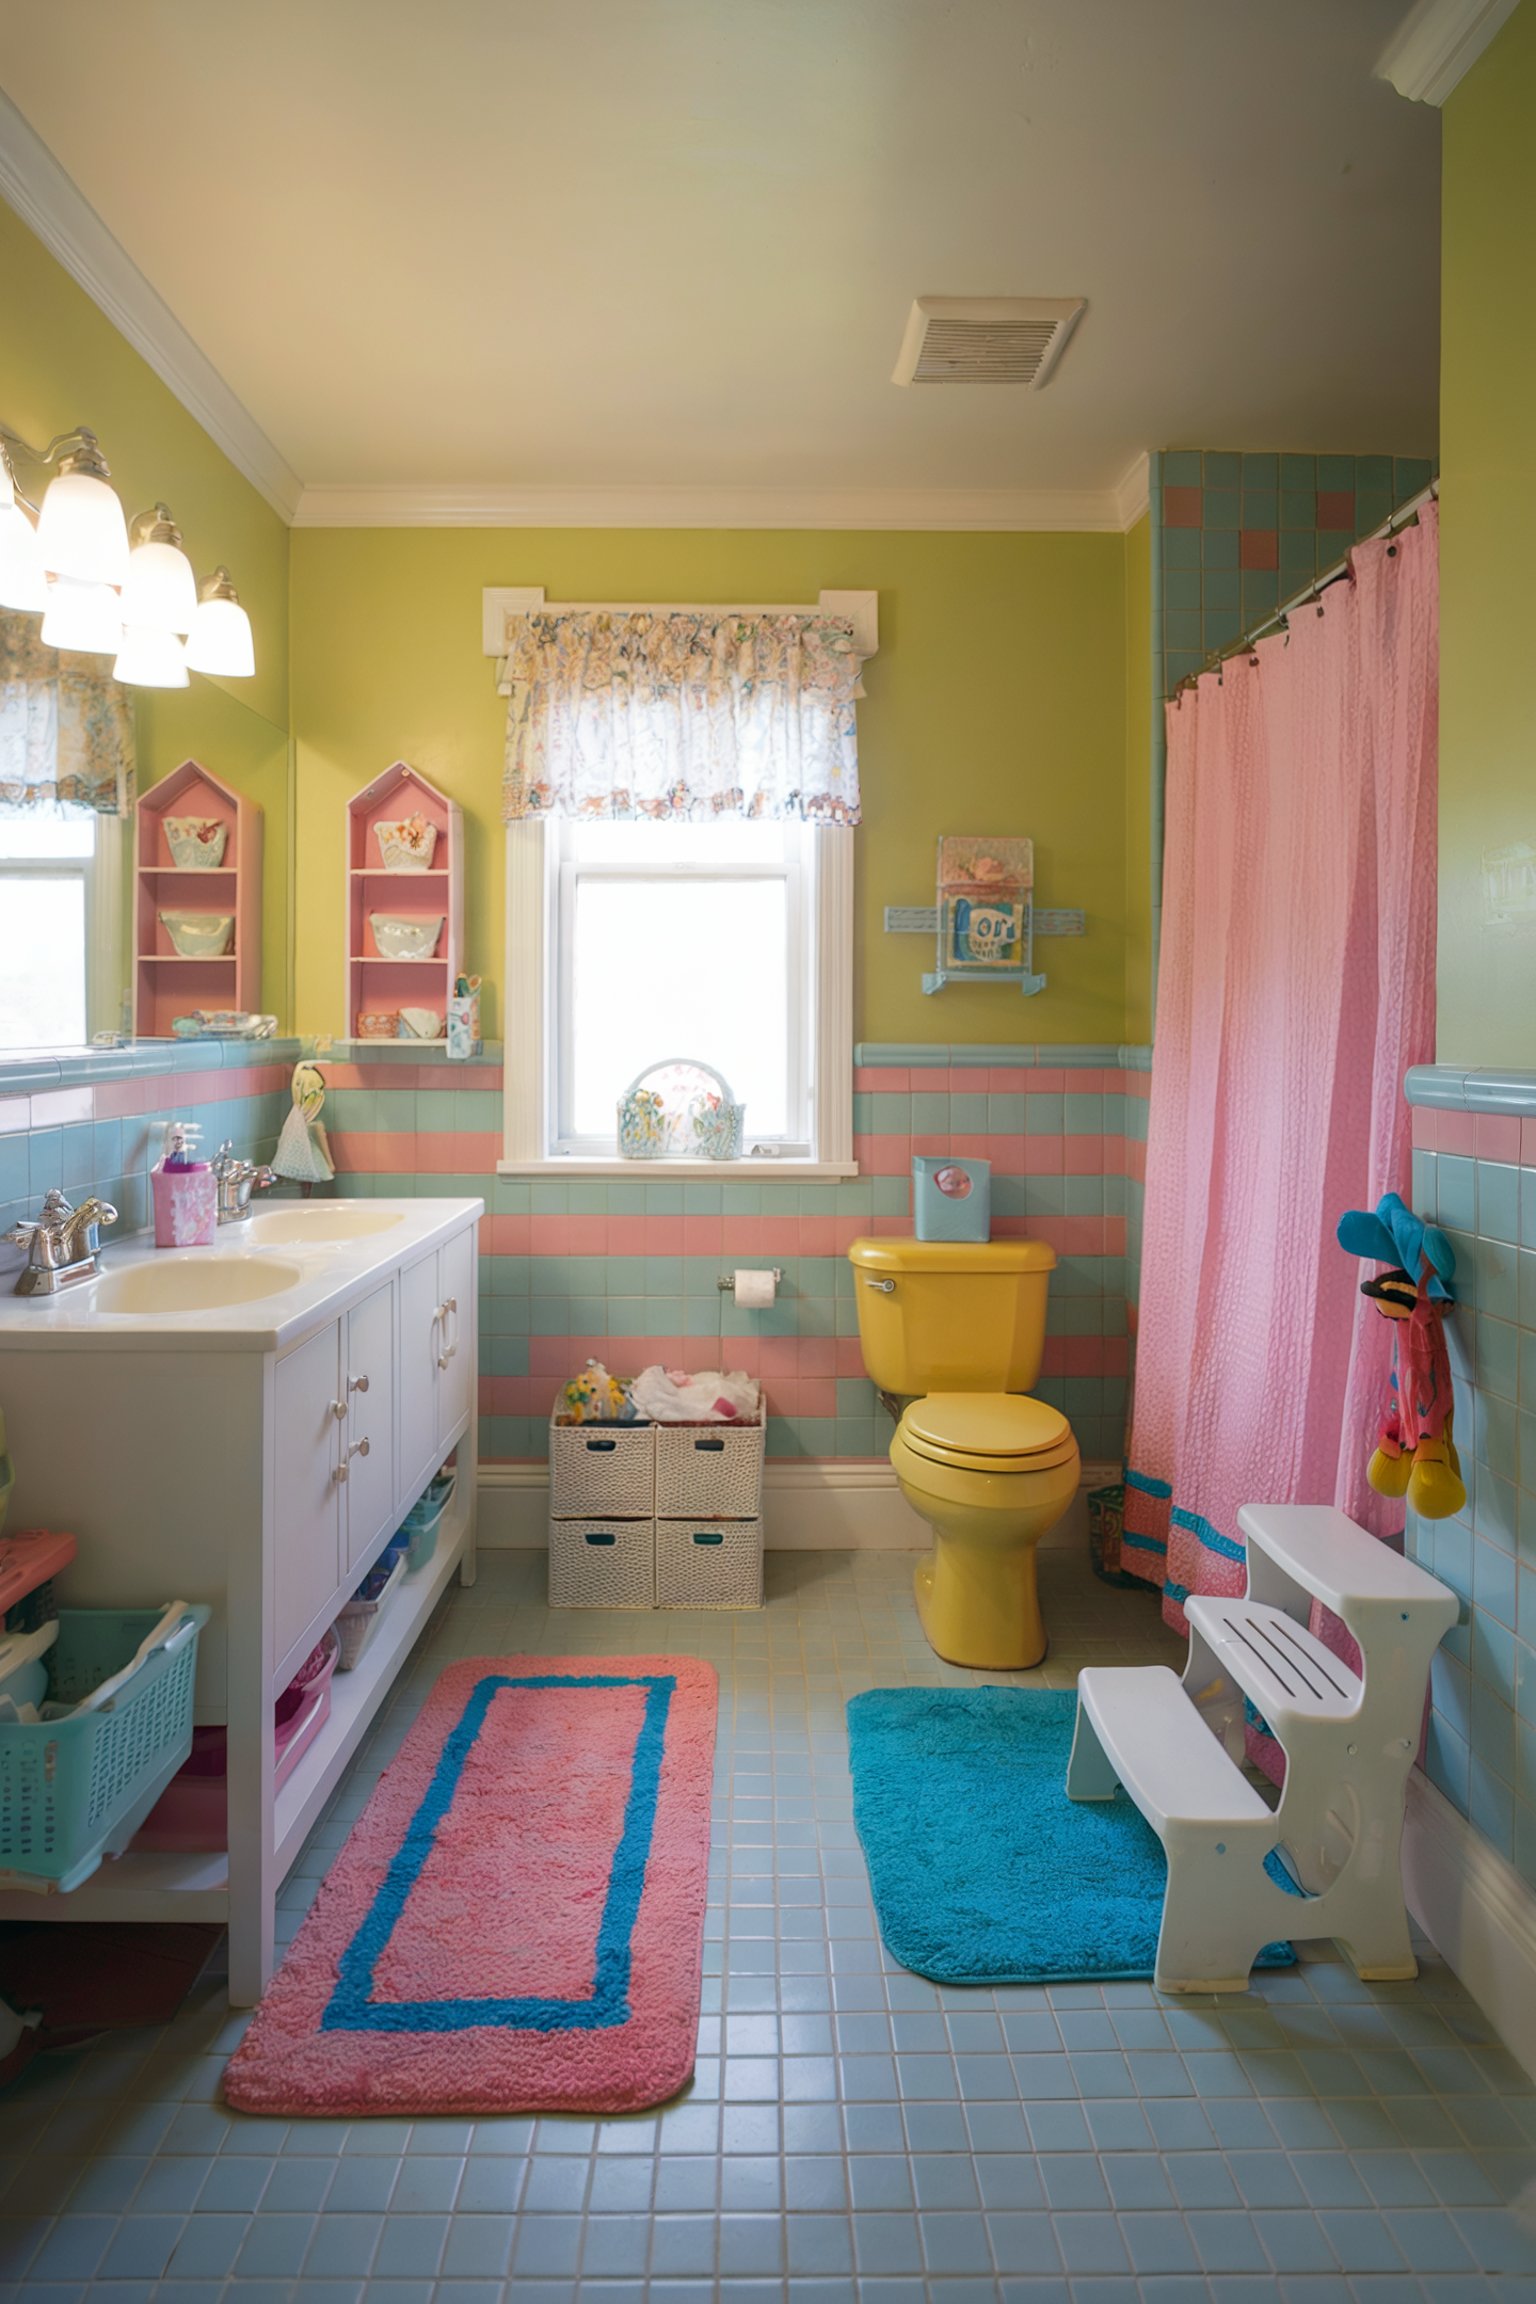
(101, 877)
(798, 870)
(528, 1062)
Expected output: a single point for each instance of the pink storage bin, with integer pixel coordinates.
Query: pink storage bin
(304, 1707)
(31, 1557)
(192, 1813)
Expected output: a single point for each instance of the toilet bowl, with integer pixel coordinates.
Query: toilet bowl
(961, 1325)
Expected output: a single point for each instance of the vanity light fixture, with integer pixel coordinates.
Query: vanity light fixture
(85, 617)
(220, 639)
(160, 592)
(23, 585)
(103, 588)
(149, 658)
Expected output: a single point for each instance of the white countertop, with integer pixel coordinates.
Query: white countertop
(331, 1276)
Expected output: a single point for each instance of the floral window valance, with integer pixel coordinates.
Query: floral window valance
(681, 714)
(66, 729)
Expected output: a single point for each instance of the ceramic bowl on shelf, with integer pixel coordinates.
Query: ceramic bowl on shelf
(197, 843)
(378, 1024)
(422, 1023)
(405, 936)
(407, 844)
(199, 935)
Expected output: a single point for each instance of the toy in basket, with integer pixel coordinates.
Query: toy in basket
(76, 1785)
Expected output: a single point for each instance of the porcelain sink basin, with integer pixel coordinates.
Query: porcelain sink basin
(319, 1220)
(195, 1283)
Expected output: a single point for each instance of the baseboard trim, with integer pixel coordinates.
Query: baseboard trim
(807, 1507)
(1477, 1910)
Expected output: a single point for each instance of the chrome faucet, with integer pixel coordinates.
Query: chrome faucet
(62, 1246)
(236, 1180)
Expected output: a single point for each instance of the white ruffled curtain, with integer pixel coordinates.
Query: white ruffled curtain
(680, 715)
(66, 730)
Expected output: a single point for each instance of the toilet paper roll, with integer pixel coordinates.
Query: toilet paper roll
(754, 1290)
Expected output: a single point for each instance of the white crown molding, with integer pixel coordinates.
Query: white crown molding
(52, 205)
(1133, 495)
(1437, 44)
(1002, 509)
(1477, 1911)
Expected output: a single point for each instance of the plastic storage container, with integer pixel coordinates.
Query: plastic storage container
(24, 1666)
(192, 1813)
(77, 1789)
(304, 1707)
(359, 1620)
(424, 1518)
(951, 1199)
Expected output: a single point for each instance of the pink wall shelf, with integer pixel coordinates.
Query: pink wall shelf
(379, 985)
(166, 985)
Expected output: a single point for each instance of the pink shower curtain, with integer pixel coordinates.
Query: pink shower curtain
(1296, 988)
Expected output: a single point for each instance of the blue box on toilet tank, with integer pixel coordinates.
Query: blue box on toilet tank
(951, 1199)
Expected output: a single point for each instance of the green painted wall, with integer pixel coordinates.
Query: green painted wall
(63, 363)
(1139, 707)
(996, 704)
(1487, 1007)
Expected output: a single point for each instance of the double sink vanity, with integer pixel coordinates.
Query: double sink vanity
(246, 1425)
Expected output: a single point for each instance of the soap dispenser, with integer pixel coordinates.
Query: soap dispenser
(186, 1191)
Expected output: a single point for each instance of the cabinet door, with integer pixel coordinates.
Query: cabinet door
(421, 1332)
(306, 1492)
(455, 1390)
(368, 1436)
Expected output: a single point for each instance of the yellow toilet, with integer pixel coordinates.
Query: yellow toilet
(963, 1325)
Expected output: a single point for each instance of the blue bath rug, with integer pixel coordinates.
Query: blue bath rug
(983, 1871)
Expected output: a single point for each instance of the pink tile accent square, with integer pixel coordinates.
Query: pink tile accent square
(1041, 1156)
(818, 1356)
(818, 1395)
(1009, 1080)
(1136, 1160)
(664, 1236)
(1082, 1155)
(779, 1235)
(1114, 1235)
(626, 1236)
(1425, 1131)
(850, 1356)
(968, 1082)
(885, 1155)
(818, 1236)
(16, 1112)
(1498, 1135)
(586, 1236)
(1457, 1132)
(871, 1079)
(1528, 1143)
(703, 1235)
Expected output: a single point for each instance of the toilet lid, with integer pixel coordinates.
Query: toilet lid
(989, 1430)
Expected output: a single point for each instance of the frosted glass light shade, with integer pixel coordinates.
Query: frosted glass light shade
(22, 582)
(160, 592)
(220, 640)
(150, 659)
(87, 617)
(81, 531)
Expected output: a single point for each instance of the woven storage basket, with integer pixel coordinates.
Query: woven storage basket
(716, 1469)
(602, 1563)
(598, 1470)
(709, 1564)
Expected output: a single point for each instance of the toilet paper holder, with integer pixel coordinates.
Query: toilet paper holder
(727, 1280)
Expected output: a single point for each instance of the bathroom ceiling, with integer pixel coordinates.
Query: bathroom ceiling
(671, 245)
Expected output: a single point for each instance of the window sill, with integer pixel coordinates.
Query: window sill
(659, 1171)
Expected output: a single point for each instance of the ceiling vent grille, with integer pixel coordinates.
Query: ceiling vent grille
(986, 339)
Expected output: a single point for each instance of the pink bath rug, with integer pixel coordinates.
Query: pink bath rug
(515, 1922)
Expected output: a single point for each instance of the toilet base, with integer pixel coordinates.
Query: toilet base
(989, 1621)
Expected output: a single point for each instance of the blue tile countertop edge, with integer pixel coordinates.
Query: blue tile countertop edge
(31, 1071)
(1050, 1055)
(1451, 1090)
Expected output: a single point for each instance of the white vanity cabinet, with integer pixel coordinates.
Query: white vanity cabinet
(256, 1458)
(334, 1466)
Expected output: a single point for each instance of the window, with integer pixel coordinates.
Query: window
(47, 930)
(630, 942)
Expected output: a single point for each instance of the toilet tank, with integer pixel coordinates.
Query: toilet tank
(952, 1316)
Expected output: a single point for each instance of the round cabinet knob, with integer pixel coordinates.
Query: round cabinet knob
(339, 1411)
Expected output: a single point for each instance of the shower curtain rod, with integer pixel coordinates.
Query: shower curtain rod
(1319, 584)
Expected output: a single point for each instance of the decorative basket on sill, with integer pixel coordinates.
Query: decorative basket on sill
(680, 1109)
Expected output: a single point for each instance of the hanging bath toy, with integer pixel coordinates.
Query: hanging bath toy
(1415, 1454)
(302, 1151)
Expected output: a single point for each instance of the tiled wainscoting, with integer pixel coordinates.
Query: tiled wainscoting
(1474, 1169)
(94, 1123)
(627, 1271)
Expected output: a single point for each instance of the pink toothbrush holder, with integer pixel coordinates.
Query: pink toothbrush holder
(186, 1206)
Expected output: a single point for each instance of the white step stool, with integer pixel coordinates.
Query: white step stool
(1348, 1745)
